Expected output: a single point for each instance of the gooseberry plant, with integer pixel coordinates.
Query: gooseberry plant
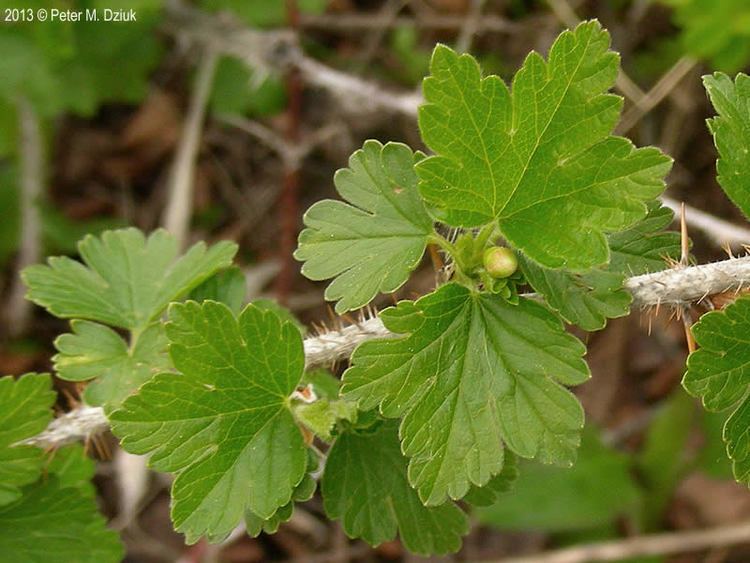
(718, 372)
(524, 189)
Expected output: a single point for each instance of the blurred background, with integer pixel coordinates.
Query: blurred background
(226, 119)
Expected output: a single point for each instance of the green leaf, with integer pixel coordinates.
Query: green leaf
(665, 456)
(540, 158)
(588, 299)
(366, 487)
(25, 410)
(62, 234)
(254, 524)
(719, 373)
(302, 492)
(731, 133)
(499, 484)
(712, 459)
(323, 383)
(374, 241)
(237, 90)
(224, 425)
(73, 468)
(96, 351)
(716, 30)
(282, 312)
(127, 280)
(28, 72)
(646, 247)
(322, 415)
(227, 286)
(52, 524)
(597, 489)
(471, 372)
(135, 46)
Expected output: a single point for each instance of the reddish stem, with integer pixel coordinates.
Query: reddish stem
(289, 200)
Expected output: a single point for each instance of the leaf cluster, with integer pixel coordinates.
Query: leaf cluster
(48, 508)
(717, 372)
(427, 423)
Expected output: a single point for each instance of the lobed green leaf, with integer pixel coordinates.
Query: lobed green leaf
(126, 279)
(588, 299)
(55, 524)
(539, 158)
(597, 490)
(94, 351)
(25, 410)
(374, 241)
(223, 424)
(719, 374)
(365, 486)
(732, 134)
(471, 372)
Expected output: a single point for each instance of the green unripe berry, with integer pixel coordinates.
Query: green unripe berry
(500, 262)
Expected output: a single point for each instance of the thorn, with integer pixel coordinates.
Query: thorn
(684, 239)
(331, 314)
(102, 450)
(437, 261)
(307, 436)
(72, 400)
(687, 322)
(728, 249)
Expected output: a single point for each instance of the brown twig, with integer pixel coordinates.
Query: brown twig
(355, 23)
(470, 27)
(656, 544)
(289, 200)
(719, 231)
(656, 94)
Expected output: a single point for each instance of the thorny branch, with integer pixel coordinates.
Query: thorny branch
(675, 287)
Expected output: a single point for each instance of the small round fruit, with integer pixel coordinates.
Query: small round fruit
(500, 262)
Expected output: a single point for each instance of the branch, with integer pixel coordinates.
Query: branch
(669, 287)
(180, 200)
(355, 23)
(721, 232)
(681, 287)
(355, 92)
(276, 51)
(657, 544)
(325, 349)
(80, 423)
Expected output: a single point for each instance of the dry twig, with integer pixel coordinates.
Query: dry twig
(719, 231)
(180, 200)
(656, 544)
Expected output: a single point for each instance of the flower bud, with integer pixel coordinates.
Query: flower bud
(500, 262)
